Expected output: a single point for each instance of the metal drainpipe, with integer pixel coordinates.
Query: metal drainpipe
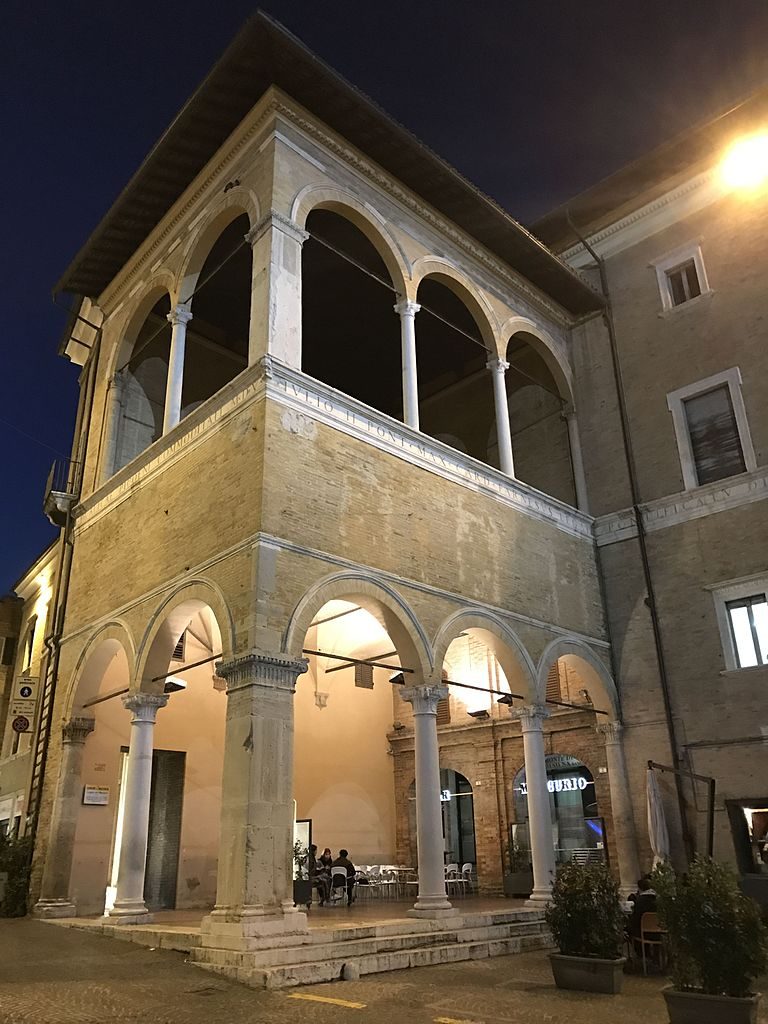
(641, 538)
(52, 640)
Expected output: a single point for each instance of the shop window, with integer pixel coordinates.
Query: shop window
(742, 616)
(710, 423)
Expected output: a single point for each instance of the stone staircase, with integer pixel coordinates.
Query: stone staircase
(331, 954)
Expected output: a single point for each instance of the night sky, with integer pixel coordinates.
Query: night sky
(533, 101)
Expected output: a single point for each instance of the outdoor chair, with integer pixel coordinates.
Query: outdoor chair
(338, 885)
(652, 935)
(467, 874)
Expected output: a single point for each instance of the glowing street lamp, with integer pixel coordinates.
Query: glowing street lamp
(745, 164)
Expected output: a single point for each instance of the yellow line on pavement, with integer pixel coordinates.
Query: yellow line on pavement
(327, 999)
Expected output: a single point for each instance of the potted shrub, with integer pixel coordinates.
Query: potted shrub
(587, 924)
(302, 883)
(519, 880)
(718, 944)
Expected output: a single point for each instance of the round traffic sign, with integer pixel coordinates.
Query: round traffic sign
(20, 724)
(25, 691)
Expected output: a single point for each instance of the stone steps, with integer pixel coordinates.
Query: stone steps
(399, 945)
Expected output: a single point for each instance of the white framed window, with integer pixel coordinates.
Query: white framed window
(711, 429)
(742, 616)
(681, 275)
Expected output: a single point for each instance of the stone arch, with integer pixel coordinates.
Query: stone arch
(236, 203)
(506, 646)
(376, 597)
(132, 320)
(555, 359)
(101, 647)
(477, 304)
(606, 687)
(170, 620)
(366, 218)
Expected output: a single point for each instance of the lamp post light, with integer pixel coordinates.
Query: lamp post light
(745, 163)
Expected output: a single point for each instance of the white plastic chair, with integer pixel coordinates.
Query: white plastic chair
(467, 873)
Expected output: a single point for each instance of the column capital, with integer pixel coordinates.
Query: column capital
(611, 731)
(531, 717)
(77, 730)
(278, 221)
(498, 365)
(270, 671)
(424, 698)
(406, 307)
(179, 315)
(144, 706)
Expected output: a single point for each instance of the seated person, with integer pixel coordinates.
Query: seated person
(643, 902)
(320, 873)
(343, 861)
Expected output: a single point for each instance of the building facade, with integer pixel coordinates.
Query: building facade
(343, 455)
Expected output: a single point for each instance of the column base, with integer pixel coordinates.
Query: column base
(129, 912)
(432, 906)
(48, 909)
(540, 895)
(250, 927)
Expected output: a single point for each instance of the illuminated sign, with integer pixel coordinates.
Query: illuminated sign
(568, 785)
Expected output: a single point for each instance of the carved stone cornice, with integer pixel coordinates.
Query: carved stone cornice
(674, 509)
(424, 699)
(273, 220)
(268, 671)
(531, 717)
(144, 706)
(77, 730)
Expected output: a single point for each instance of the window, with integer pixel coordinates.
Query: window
(683, 283)
(681, 275)
(710, 423)
(8, 646)
(714, 435)
(742, 615)
(748, 619)
(29, 642)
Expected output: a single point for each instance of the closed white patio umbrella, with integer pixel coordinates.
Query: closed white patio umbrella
(658, 833)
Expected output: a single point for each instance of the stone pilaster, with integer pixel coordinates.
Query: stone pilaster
(55, 898)
(255, 878)
(621, 806)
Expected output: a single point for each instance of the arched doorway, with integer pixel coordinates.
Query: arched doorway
(458, 819)
(578, 831)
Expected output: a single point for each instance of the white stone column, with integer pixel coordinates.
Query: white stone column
(55, 899)
(275, 327)
(498, 368)
(254, 894)
(407, 311)
(179, 317)
(432, 900)
(579, 479)
(621, 806)
(129, 905)
(113, 414)
(539, 815)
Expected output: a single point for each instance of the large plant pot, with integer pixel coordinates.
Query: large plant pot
(698, 1008)
(518, 883)
(588, 973)
(302, 892)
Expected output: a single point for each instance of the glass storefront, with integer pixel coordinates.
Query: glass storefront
(578, 832)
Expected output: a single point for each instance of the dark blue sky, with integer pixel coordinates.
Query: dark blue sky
(531, 100)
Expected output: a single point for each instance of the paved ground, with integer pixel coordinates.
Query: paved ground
(54, 975)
